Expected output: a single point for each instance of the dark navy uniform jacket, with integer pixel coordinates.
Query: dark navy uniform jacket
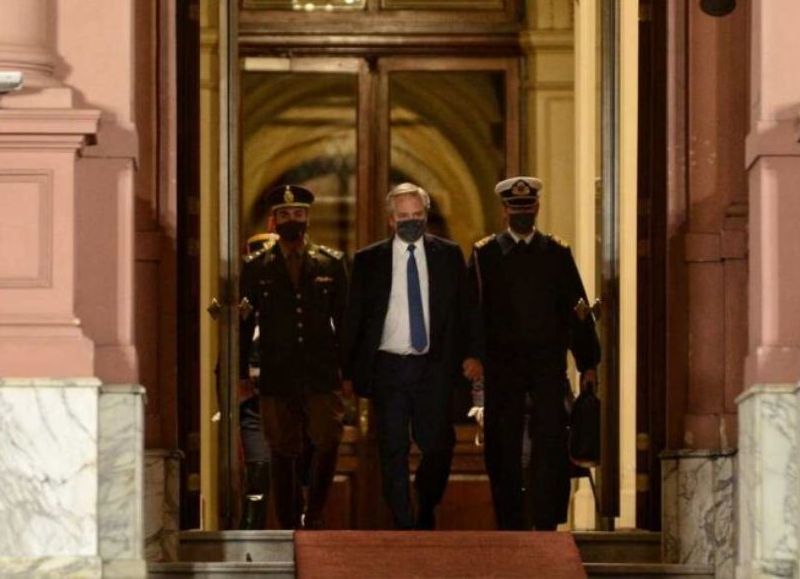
(528, 293)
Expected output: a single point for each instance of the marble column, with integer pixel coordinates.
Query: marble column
(768, 409)
(698, 522)
(769, 517)
(162, 504)
(48, 477)
(121, 466)
(71, 457)
(71, 479)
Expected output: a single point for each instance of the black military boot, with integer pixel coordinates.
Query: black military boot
(285, 489)
(256, 498)
(323, 468)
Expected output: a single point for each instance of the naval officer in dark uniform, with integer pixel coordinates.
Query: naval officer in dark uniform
(296, 292)
(529, 289)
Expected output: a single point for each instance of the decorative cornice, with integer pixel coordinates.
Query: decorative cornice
(47, 128)
(772, 138)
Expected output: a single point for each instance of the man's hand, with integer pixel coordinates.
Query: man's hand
(473, 369)
(347, 389)
(589, 380)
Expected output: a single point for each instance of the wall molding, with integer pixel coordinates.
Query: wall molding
(43, 179)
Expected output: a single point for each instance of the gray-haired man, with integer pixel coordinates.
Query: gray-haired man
(412, 329)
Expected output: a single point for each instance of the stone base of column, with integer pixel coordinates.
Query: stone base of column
(49, 567)
(766, 569)
(125, 569)
(72, 470)
(162, 504)
(769, 521)
(698, 523)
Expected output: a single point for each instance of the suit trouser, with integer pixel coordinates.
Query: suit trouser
(407, 393)
(548, 486)
(288, 422)
(252, 432)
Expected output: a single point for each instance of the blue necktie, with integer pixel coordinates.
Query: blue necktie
(416, 317)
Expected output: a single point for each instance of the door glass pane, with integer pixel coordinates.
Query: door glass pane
(306, 5)
(447, 134)
(300, 128)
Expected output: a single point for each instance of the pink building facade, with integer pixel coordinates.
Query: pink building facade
(88, 277)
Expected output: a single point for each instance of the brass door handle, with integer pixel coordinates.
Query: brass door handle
(214, 308)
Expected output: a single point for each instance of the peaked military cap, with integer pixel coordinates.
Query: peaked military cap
(519, 191)
(289, 196)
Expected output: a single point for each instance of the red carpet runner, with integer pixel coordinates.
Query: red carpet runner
(444, 554)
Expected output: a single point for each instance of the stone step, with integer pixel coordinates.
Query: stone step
(237, 546)
(644, 570)
(619, 546)
(278, 546)
(217, 570)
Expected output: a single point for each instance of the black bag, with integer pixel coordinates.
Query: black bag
(584, 431)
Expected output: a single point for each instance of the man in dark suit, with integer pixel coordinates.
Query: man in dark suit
(412, 329)
(533, 306)
(296, 292)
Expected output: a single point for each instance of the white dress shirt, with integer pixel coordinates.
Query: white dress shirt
(518, 238)
(396, 337)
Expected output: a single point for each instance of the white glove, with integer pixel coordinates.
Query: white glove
(476, 412)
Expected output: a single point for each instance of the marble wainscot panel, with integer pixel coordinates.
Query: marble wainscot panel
(698, 498)
(121, 482)
(769, 485)
(48, 477)
(162, 523)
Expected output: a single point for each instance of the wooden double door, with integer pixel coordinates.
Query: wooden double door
(350, 128)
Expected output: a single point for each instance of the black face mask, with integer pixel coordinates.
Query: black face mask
(291, 230)
(521, 223)
(410, 230)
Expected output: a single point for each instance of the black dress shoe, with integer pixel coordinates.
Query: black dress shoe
(426, 521)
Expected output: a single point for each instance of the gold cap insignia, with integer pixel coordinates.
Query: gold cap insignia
(520, 188)
(288, 196)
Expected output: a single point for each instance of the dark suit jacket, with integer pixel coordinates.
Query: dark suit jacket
(455, 331)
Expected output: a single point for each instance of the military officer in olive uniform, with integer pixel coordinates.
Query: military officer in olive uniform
(296, 292)
(529, 289)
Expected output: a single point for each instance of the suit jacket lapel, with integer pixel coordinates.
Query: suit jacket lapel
(383, 274)
(433, 255)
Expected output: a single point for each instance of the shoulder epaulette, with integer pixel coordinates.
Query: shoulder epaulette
(558, 241)
(253, 255)
(330, 252)
(480, 243)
